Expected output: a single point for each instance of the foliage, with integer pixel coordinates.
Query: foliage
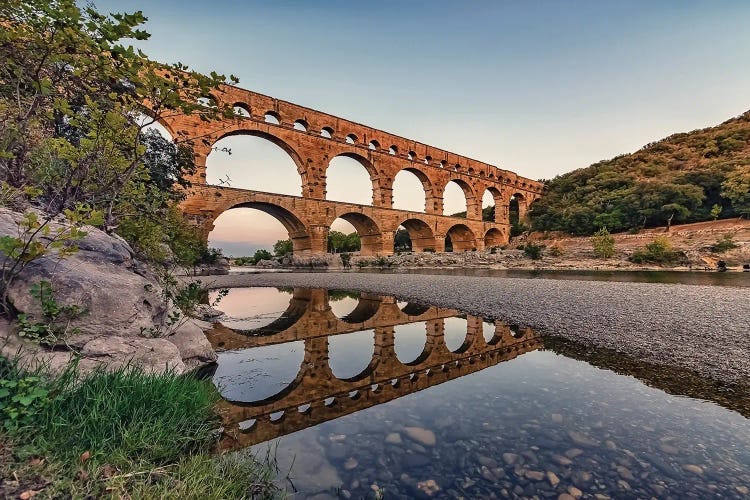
(603, 244)
(533, 251)
(56, 317)
(124, 433)
(282, 248)
(682, 178)
(340, 242)
(402, 241)
(346, 259)
(261, 255)
(724, 244)
(658, 251)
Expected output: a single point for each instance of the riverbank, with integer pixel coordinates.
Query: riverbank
(699, 328)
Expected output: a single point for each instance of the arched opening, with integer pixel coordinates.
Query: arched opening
(255, 160)
(461, 238)
(493, 238)
(241, 109)
(272, 117)
(458, 199)
(412, 156)
(301, 125)
(414, 235)
(489, 332)
(253, 309)
(280, 365)
(393, 150)
(410, 188)
(355, 232)
(350, 354)
(353, 307)
(374, 145)
(409, 341)
(351, 139)
(455, 333)
(490, 200)
(350, 178)
(342, 302)
(413, 308)
(249, 227)
(517, 214)
(326, 132)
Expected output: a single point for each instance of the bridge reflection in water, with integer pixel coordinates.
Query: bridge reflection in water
(316, 394)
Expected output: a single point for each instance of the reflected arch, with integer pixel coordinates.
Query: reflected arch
(456, 339)
(350, 355)
(462, 238)
(410, 342)
(421, 235)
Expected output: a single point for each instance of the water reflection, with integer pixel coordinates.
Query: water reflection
(371, 394)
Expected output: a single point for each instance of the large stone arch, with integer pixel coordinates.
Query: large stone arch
(497, 196)
(523, 205)
(298, 231)
(368, 165)
(432, 203)
(473, 206)
(494, 237)
(370, 234)
(281, 143)
(421, 234)
(462, 238)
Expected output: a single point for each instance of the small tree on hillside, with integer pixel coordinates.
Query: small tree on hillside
(603, 244)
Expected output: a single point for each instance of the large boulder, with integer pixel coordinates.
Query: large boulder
(125, 310)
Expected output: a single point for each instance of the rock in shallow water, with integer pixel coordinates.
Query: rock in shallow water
(422, 436)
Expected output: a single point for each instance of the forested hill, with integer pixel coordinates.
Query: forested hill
(687, 177)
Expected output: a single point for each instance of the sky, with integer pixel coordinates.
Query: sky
(537, 87)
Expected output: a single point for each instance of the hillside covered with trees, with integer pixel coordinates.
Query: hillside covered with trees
(687, 177)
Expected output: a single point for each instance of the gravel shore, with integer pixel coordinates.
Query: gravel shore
(702, 328)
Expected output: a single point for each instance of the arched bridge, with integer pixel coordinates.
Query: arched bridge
(312, 139)
(316, 394)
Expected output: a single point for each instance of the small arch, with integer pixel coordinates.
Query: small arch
(457, 167)
(351, 139)
(443, 163)
(427, 159)
(412, 156)
(326, 132)
(421, 236)
(374, 145)
(370, 235)
(494, 237)
(208, 101)
(393, 150)
(301, 125)
(241, 109)
(462, 238)
(272, 117)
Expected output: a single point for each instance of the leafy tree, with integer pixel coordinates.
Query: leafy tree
(603, 244)
(261, 255)
(402, 241)
(736, 188)
(340, 242)
(283, 247)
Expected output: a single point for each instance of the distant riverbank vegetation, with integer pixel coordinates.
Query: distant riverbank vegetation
(688, 177)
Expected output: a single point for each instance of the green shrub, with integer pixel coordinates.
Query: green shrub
(56, 317)
(603, 244)
(533, 250)
(724, 244)
(346, 259)
(658, 251)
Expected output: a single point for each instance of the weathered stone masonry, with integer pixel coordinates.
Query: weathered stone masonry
(312, 139)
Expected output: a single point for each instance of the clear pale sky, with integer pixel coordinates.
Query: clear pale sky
(538, 87)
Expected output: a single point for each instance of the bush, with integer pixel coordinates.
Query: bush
(533, 251)
(658, 251)
(603, 244)
(724, 244)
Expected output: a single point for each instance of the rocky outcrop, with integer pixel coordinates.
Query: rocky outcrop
(125, 310)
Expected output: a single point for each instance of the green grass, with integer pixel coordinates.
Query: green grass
(120, 433)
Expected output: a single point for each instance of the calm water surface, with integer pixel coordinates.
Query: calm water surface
(363, 396)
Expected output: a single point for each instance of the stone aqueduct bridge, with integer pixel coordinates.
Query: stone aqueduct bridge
(312, 139)
(316, 395)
